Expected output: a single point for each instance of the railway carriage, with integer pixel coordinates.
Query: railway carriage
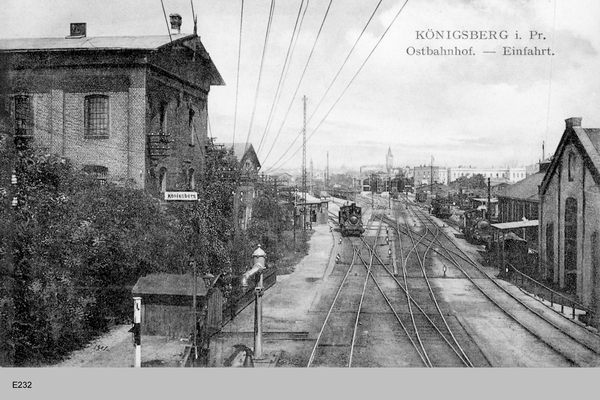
(421, 197)
(350, 220)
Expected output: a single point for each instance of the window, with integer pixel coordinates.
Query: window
(96, 117)
(163, 118)
(192, 127)
(100, 172)
(23, 116)
(570, 259)
(162, 180)
(571, 167)
(191, 179)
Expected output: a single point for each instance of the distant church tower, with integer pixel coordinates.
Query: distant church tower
(389, 161)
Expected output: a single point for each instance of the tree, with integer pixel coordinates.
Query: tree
(79, 248)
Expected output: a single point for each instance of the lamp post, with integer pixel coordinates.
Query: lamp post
(258, 257)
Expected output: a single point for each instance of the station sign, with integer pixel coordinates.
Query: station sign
(181, 196)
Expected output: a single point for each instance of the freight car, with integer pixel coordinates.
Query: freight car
(421, 197)
(350, 220)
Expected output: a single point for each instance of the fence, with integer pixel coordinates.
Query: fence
(548, 294)
(235, 306)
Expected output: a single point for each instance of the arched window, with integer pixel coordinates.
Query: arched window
(571, 166)
(570, 259)
(191, 179)
(162, 180)
(163, 118)
(96, 117)
(192, 127)
(550, 244)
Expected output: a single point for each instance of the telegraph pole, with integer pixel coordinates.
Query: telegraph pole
(304, 162)
(431, 178)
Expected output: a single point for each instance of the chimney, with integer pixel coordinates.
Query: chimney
(78, 30)
(573, 122)
(175, 23)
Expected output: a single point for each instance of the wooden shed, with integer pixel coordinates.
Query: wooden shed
(167, 304)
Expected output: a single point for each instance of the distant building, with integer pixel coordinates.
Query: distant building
(128, 109)
(570, 215)
(422, 175)
(246, 189)
(284, 179)
(521, 201)
(509, 174)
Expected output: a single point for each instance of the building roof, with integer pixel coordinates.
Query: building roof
(586, 140)
(92, 43)
(526, 189)
(243, 150)
(516, 224)
(309, 199)
(112, 43)
(169, 284)
(484, 200)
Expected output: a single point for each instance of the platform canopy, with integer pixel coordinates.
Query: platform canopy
(515, 225)
(309, 199)
(484, 200)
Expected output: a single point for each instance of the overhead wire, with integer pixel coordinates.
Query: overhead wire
(283, 74)
(166, 21)
(346, 88)
(336, 76)
(300, 82)
(262, 63)
(237, 81)
(550, 78)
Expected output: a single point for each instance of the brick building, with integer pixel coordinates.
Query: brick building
(570, 215)
(129, 109)
(422, 175)
(246, 190)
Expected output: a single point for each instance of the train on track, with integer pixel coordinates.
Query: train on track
(441, 208)
(350, 220)
(421, 197)
(476, 229)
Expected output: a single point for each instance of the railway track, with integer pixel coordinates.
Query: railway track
(418, 328)
(584, 344)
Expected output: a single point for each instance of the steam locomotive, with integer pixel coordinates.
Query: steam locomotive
(441, 208)
(350, 220)
(476, 229)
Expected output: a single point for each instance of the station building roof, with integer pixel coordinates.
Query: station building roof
(309, 199)
(102, 44)
(515, 225)
(527, 189)
(587, 140)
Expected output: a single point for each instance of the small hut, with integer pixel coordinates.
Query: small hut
(167, 304)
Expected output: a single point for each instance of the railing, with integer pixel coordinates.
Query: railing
(548, 294)
(235, 306)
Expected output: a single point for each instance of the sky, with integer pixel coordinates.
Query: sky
(480, 109)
